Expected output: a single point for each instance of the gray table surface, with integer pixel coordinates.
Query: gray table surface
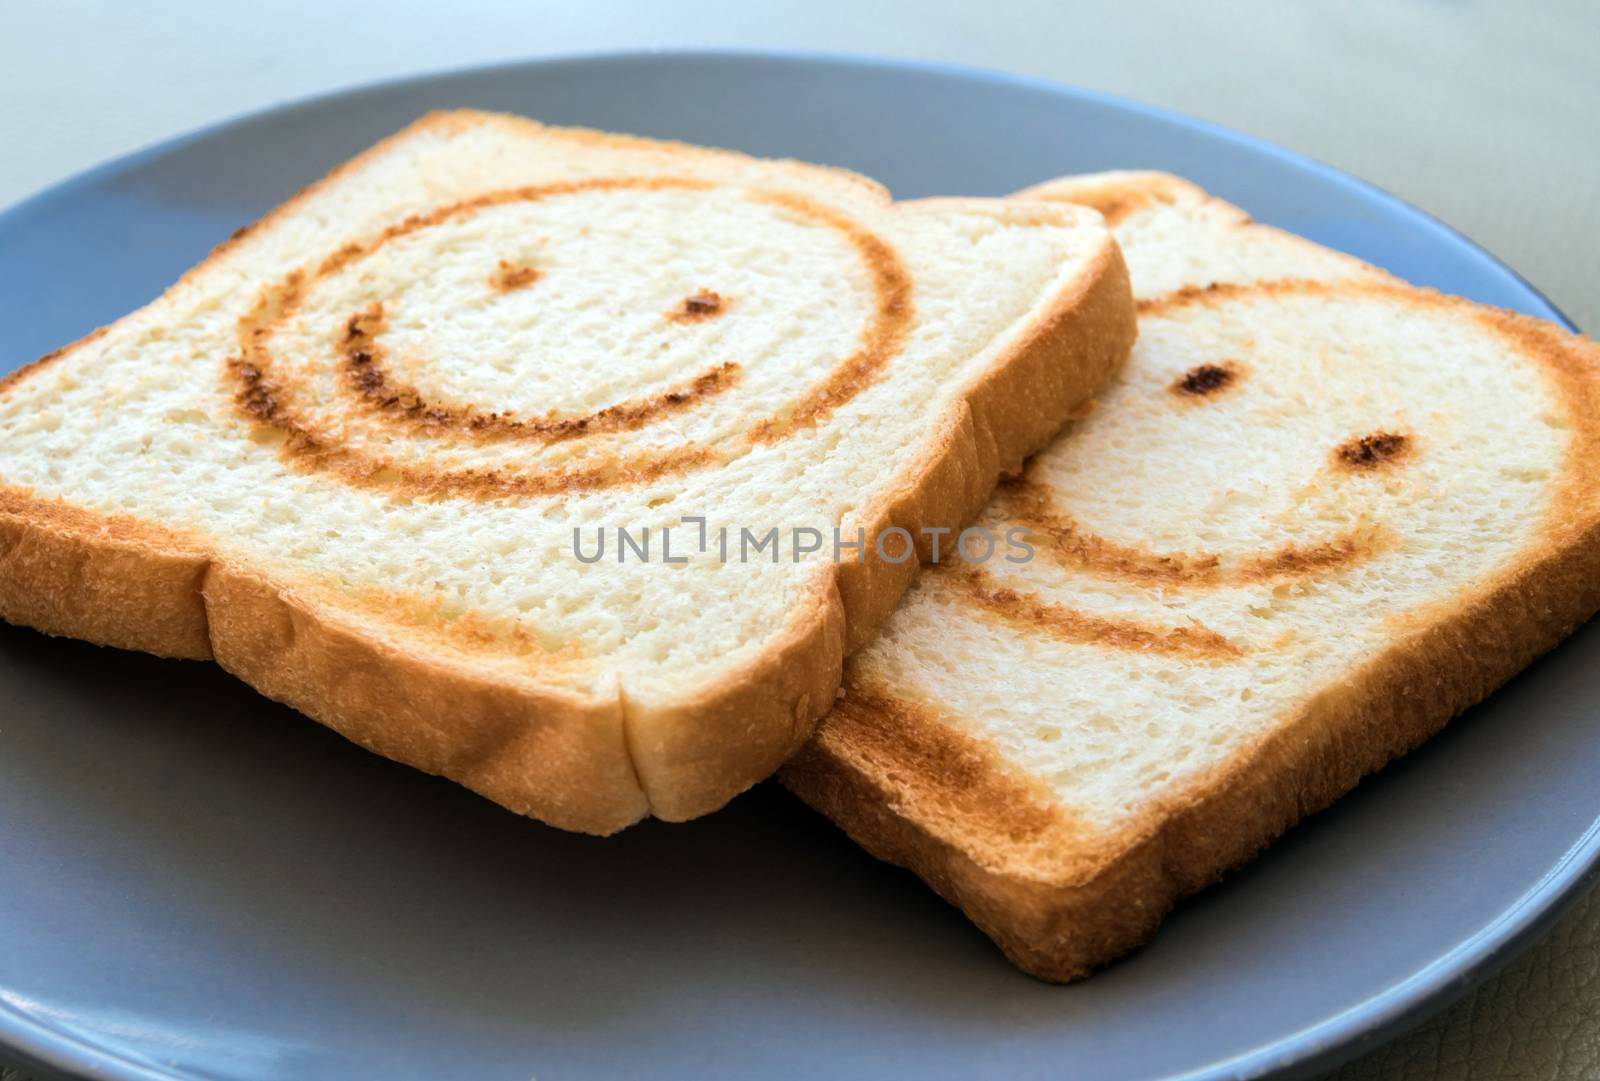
(1483, 113)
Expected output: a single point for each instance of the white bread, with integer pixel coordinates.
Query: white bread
(1320, 513)
(346, 455)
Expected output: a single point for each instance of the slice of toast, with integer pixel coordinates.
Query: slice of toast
(362, 454)
(1321, 512)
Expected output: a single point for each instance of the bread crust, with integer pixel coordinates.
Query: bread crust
(589, 763)
(1059, 908)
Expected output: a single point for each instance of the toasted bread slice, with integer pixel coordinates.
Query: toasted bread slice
(1321, 512)
(349, 455)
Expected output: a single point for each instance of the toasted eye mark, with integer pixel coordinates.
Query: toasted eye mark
(697, 307)
(1205, 379)
(1368, 452)
(509, 276)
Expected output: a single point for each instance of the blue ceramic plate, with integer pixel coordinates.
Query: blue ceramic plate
(199, 883)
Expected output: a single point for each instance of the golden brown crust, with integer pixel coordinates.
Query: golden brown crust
(968, 792)
(1061, 909)
(110, 580)
(403, 692)
(511, 740)
(594, 763)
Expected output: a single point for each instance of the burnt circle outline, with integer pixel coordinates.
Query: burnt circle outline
(262, 394)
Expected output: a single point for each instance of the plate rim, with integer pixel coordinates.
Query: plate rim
(40, 1045)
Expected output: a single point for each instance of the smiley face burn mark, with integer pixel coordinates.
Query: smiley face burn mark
(1222, 478)
(539, 380)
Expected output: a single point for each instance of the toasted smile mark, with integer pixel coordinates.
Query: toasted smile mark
(365, 372)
